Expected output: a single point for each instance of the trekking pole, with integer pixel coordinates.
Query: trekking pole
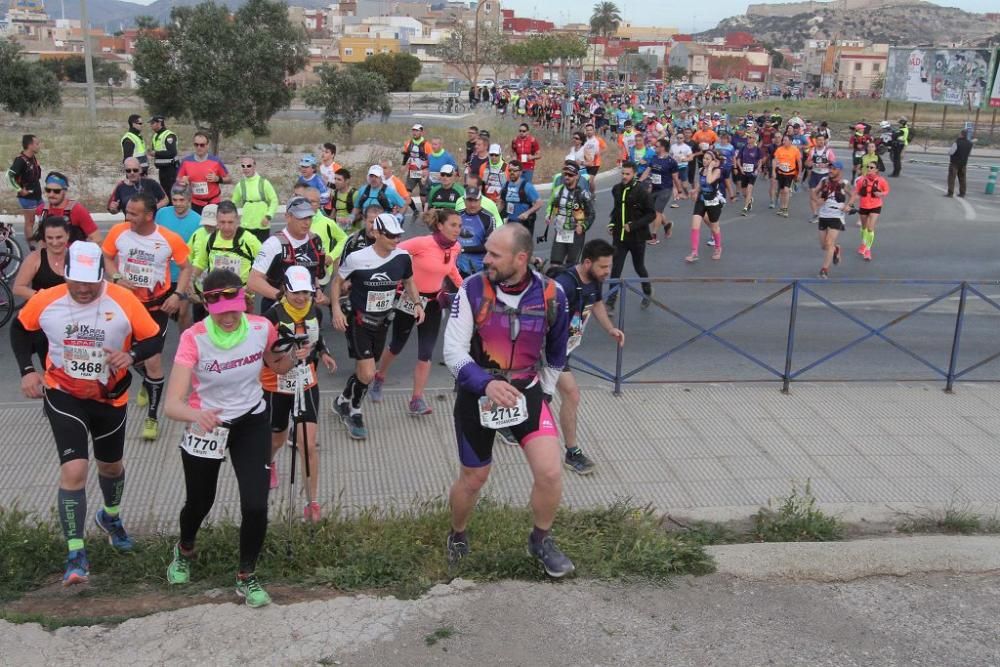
(299, 392)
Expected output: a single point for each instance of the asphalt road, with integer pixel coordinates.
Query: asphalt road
(921, 236)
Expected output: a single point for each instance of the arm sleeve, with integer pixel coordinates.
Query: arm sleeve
(14, 173)
(272, 199)
(340, 240)
(171, 152)
(589, 211)
(457, 339)
(237, 196)
(128, 149)
(22, 343)
(555, 345)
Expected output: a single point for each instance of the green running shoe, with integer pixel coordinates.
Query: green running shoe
(150, 429)
(142, 398)
(249, 587)
(179, 570)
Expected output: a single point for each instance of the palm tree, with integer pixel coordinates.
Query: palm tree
(604, 22)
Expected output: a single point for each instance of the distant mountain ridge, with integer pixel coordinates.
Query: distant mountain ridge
(903, 22)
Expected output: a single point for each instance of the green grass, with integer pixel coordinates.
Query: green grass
(439, 634)
(795, 518)
(52, 623)
(951, 521)
(394, 551)
(428, 86)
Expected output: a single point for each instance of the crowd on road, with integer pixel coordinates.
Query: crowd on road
(206, 250)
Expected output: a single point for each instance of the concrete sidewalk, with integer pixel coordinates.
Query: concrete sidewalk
(705, 450)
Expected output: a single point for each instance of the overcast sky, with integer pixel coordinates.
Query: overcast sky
(676, 14)
(667, 14)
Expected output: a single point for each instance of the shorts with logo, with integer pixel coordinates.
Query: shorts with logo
(785, 180)
(711, 212)
(279, 408)
(869, 211)
(365, 341)
(75, 421)
(475, 441)
(830, 223)
(161, 319)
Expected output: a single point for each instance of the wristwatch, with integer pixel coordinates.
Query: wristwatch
(115, 277)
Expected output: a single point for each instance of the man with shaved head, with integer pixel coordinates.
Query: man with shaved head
(506, 345)
(133, 184)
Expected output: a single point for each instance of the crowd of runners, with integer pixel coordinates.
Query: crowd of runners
(207, 249)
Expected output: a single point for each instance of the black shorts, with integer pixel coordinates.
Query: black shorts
(869, 211)
(475, 441)
(75, 421)
(427, 332)
(592, 171)
(831, 223)
(711, 212)
(279, 408)
(411, 183)
(161, 319)
(365, 342)
(746, 180)
(785, 180)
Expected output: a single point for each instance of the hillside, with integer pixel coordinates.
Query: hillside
(910, 23)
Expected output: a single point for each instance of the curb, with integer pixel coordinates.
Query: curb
(846, 561)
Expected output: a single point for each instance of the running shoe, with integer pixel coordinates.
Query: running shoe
(644, 304)
(249, 587)
(77, 568)
(668, 229)
(375, 390)
(783, 213)
(419, 407)
(710, 242)
(273, 484)
(456, 550)
(814, 220)
(179, 570)
(862, 248)
(507, 437)
(556, 563)
(342, 407)
(312, 512)
(115, 530)
(744, 211)
(653, 241)
(356, 427)
(692, 258)
(868, 255)
(578, 462)
(771, 204)
(750, 204)
(142, 398)
(674, 204)
(150, 429)
(836, 255)
(717, 255)
(824, 273)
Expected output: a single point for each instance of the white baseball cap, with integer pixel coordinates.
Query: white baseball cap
(298, 279)
(386, 222)
(210, 215)
(417, 126)
(376, 170)
(495, 149)
(84, 263)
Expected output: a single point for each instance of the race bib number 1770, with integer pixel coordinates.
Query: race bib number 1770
(211, 445)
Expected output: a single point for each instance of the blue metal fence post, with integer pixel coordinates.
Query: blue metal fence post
(959, 321)
(786, 378)
(619, 353)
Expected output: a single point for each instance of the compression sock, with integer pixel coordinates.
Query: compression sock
(358, 392)
(718, 239)
(154, 389)
(864, 236)
(871, 239)
(72, 514)
(112, 488)
(537, 535)
(695, 240)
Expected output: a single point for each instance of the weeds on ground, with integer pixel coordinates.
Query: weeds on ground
(953, 520)
(439, 634)
(796, 519)
(391, 550)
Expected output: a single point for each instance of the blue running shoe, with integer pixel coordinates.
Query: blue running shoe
(77, 568)
(112, 526)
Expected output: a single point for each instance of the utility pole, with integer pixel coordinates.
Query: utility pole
(89, 65)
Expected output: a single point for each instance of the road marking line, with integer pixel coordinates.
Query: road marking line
(443, 116)
(970, 212)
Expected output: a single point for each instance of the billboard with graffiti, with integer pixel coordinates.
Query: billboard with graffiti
(941, 76)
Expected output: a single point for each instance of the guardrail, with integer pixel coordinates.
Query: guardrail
(787, 373)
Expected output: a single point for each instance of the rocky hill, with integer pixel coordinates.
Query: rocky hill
(909, 23)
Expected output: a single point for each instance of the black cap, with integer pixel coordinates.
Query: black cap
(570, 167)
(157, 119)
(472, 193)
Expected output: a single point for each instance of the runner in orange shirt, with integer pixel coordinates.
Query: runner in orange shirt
(785, 168)
(95, 331)
(868, 192)
(137, 256)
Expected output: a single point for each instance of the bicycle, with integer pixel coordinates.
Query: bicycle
(451, 105)
(7, 305)
(11, 254)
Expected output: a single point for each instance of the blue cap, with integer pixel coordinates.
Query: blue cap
(837, 164)
(308, 160)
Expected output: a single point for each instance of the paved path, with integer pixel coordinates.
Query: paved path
(697, 450)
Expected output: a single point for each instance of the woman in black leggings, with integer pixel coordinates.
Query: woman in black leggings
(219, 361)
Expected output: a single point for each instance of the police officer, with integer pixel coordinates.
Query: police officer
(900, 140)
(164, 152)
(134, 146)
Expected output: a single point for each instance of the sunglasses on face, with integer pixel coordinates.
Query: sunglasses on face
(247, 166)
(53, 191)
(391, 237)
(216, 295)
(132, 171)
(200, 144)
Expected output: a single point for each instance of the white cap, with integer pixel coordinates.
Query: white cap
(495, 149)
(84, 263)
(447, 169)
(376, 170)
(417, 126)
(209, 215)
(386, 222)
(298, 279)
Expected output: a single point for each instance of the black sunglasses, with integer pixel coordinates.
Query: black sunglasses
(53, 191)
(246, 166)
(132, 171)
(390, 236)
(216, 295)
(201, 144)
